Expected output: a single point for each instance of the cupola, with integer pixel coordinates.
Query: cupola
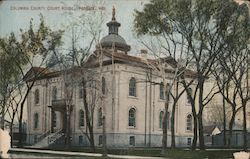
(113, 39)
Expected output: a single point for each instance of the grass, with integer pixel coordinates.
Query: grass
(209, 154)
(171, 153)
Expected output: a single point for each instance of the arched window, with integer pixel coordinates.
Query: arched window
(189, 125)
(131, 117)
(103, 85)
(36, 120)
(161, 119)
(132, 87)
(100, 117)
(190, 91)
(54, 93)
(81, 118)
(37, 96)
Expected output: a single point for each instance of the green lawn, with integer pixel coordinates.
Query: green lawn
(172, 154)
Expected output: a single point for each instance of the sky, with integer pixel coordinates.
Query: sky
(16, 14)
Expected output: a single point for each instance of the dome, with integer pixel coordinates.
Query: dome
(113, 38)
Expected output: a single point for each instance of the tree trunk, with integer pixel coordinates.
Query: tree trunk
(20, 126)
(164, 124)
(164, 137)
(231, 123)
(199, 117)
(201, 133)
(244, 127)
(224, 122)
(195, 129)
(88, 117)
(3, 113)
(104, 144)
(173, 125)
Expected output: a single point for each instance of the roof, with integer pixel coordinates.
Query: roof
(209, 129)
(142, 62)
(41, 73)
(35, 72)
(116, 40)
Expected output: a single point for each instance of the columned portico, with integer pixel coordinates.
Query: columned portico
(65, 113)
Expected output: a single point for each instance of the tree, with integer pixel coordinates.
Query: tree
(232, 72)
(203, 27)
(84, 33)
(31, 49)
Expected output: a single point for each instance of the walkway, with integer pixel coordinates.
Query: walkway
(79, 154)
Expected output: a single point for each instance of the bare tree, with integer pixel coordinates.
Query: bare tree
(31, 49)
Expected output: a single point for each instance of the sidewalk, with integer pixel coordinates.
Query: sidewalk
(80, 154)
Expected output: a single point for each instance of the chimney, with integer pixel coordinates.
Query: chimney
(144, 53)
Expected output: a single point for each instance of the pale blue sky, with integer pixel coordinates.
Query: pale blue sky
(12, 17)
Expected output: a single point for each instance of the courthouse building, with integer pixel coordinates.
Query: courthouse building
(132, 100)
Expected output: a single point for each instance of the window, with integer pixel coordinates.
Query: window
(189, 140)
(100, 117)
(54, 118)
(189, 125)
(161, 118)
(162, 91)
(190, 91)
(168, 88)
(36, 121)
(100, 140)
(80, 140)
(132, 141)
(81, 118)
(103, 85)
(131, 117)
(35, 138)
(36, 96)
(132, 87)
(80, 91)
(54, 93)
(168, 120)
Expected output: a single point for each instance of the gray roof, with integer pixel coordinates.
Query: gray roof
(115, 39)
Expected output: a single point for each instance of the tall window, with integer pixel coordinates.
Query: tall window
(103, 85)
(81, 118)
(161, 91)
(169, 91)
(131, 117)
(161, 118)
(80, 140)
(131, 140)
(54, 118)
(37, 96)
(100, 117)
(168, 120)
(36, 120)
(54, 93)
(80, 91)
(132, 87)
(189, 141)
(100, 140)
(189, 125)
(190, 91)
